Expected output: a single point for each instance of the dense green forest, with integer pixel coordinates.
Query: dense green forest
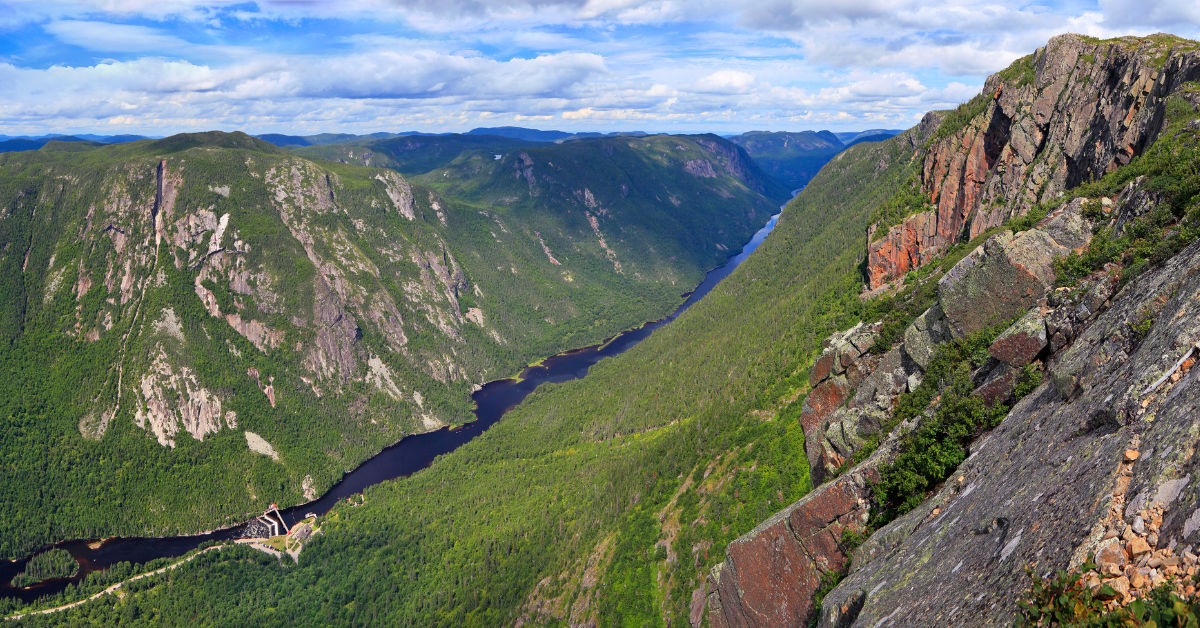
(187, 341)
(52, 563)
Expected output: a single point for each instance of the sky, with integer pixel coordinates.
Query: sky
(157, 67)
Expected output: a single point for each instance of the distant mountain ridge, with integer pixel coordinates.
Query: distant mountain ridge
(10, 144)
(853, 137)
(795, 157)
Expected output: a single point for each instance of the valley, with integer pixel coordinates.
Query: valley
(252, 305)
(411, 454)
(313, 372)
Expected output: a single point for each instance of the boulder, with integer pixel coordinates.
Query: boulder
(1022, 342)
(998, 384)
(1110, 554)
(770, 574)
(1009, 273)
(922, 337)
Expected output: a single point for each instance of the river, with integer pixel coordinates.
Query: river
(411, 454)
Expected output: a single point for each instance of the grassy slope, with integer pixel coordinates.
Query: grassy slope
(128, 484)
(601, 458)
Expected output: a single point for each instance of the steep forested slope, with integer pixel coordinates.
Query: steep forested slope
(412, 154)
(198, 326)
(606, 498)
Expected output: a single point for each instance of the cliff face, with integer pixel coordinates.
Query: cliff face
(1098, 459)
(1076, 109)
(771, 574)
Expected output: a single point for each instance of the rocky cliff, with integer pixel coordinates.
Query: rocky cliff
(1069, 113)
(1096, 460)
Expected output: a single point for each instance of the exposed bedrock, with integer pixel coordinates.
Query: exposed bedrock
(1082, 108)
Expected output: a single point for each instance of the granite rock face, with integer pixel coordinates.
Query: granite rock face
(769, 575)
(1076, 109)
(1010, 272)
(960, 557)
(1002, 279)
(842, 366)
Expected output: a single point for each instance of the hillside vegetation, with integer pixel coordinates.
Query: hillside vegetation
(607, 498)
(198, 326)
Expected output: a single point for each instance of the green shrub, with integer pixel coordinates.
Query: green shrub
(1062, 600)
(935, 448)
(1028, 380)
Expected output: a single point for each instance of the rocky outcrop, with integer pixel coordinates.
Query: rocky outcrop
(834, 375)
(399, 192)
(770, 574)
(847, 428)
(1111, 391)
(169, 400)
(853, 394)
(1075, 110)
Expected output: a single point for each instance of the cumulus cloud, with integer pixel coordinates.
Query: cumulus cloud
(725, 82)
(150, 65)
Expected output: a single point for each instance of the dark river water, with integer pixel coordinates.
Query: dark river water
(411, 454)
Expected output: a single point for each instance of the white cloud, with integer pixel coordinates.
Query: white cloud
(725, 82)
(108, 37)
(1165, 14)
(449, 64)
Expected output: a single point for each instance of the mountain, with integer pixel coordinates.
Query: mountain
(529, 135)
(554, 513)
(802, 445)
(13, 145)
(414, 154)
(8, 145)
(854, 137)
(877, 137)
(108, 139)
(794, 158)
(282, 140)
(198, 326)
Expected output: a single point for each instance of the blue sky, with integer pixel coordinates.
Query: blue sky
(306, 66)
